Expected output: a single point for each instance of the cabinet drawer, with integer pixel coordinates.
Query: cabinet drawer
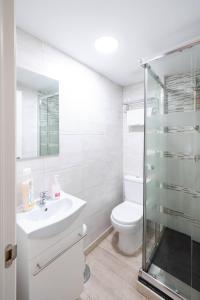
(58, 271)
(50, 255)
(62, 279)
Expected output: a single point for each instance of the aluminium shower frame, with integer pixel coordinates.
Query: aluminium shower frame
(143, 276)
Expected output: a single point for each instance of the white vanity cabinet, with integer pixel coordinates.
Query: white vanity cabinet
(51, 268)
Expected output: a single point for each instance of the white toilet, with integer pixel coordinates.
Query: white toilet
(126, 218)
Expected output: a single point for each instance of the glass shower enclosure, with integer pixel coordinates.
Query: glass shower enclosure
(171, 236)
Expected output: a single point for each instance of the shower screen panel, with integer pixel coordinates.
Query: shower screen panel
(171, 252)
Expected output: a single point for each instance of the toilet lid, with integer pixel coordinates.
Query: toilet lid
(127, 213)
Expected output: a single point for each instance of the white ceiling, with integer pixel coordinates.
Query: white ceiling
(144, 28)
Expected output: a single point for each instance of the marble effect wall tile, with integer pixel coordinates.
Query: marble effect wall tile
(90, 158)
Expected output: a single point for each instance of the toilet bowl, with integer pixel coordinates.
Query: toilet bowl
(126, 217)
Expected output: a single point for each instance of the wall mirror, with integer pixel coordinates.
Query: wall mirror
(37, 118)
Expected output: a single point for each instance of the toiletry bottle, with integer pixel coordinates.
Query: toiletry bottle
(27, 189)
(56, 190)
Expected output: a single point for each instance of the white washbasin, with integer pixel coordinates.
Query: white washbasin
(52, 218)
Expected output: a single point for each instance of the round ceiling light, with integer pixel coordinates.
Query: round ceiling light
(106, 44)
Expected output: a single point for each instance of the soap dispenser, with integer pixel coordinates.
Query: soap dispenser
(56, 190)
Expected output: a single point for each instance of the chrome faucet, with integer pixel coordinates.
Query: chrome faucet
(43, 197)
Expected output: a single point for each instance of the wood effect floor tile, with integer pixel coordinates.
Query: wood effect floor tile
(113, 275)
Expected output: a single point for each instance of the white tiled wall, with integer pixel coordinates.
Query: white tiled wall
(90, 160)
(133, 140)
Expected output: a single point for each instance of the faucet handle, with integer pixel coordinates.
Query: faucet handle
(44, 195)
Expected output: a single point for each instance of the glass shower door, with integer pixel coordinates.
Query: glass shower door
(194, 211)
(154, 109)
(171, 243)
(171, 184)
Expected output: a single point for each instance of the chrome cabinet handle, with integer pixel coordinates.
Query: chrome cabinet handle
(40, 268)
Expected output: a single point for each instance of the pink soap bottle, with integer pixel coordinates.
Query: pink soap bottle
(56, 190)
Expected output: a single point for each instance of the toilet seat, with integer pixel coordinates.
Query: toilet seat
(127, 213)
